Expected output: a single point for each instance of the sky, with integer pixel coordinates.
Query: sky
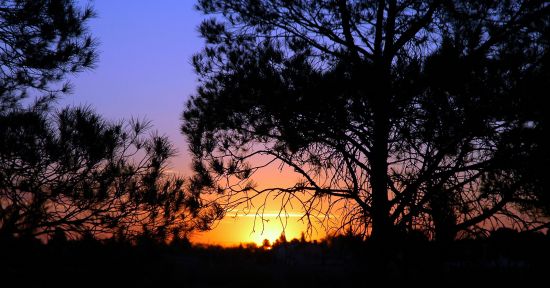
(144, 71)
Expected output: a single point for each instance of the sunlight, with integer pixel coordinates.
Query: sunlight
(269, 233)
(245, 228)
(271, 228)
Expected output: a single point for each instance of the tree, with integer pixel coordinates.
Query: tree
(69, 172)
(266, 244)
(42, 42)
(281, 241)
(74, 172)
(395, 113)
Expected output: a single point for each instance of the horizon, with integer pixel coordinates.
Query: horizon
(273, 143)
(144, 71)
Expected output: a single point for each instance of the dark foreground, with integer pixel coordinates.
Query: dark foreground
(503, 260)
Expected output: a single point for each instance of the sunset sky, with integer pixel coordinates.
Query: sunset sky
(144, 71)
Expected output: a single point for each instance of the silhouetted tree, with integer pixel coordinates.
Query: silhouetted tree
(266, 244)
(73, 172)
(525, 144)
(393, 112)
(42, 42)
(70, 173)
(281, 241)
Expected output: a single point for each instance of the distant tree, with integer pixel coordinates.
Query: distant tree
(266, 244)
(398, 115)
(281, 241)
(250, 246)
(42, 42)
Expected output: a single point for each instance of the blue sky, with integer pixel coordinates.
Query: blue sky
(144, 69)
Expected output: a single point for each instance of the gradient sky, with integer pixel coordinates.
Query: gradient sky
(144, 71)
(144, 67)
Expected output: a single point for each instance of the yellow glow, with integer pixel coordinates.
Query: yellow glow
(231, 231)
(238, 227)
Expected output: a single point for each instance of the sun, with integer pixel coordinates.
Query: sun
(270, 234)
(245, 228)
(272, 229)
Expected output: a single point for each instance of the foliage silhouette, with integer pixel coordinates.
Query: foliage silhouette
(69, 173)
(42, 42)
(398, 116)
(505, 257)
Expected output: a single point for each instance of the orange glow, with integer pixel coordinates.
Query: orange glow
(231, 231)
(238, 227)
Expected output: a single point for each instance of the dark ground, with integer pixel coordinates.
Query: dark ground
(502, 260)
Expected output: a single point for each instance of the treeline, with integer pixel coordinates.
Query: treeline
(502, 257)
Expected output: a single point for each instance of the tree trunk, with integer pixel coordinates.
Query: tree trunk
(442, 215)
(381, 224)
(381, 235)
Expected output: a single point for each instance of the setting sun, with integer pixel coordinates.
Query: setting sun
(241, 228)
(272, 230)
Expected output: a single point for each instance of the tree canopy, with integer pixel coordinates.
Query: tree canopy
(68, 172)
(42, 42)
(397, 115)
(74, 172)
